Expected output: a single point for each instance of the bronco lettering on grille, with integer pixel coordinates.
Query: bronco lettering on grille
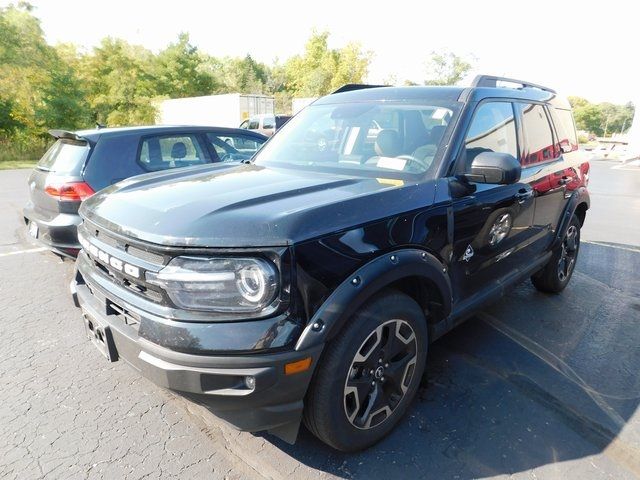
(104, 257)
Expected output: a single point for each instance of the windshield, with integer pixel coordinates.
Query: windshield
(362, 138)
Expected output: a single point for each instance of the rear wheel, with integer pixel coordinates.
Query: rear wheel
(369, 374)
(555, 275)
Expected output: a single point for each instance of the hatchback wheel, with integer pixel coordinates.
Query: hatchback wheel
(369, 374)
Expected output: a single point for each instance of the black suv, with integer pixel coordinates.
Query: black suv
(80, 163)
(309, 283)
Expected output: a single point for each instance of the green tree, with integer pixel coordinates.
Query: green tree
(446, 68)
(64, 104)
(120, 83)
(578, 102)
(180, 70)
(617, 118)
(589, 117)
(243, 75)
(24, 61)
(321, 70)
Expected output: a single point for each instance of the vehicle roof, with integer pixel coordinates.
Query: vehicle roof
(94, 133)
(432, 93)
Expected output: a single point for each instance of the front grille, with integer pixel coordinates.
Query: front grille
(107, 255)
(138, 287)
(109, 240)
(146, 256)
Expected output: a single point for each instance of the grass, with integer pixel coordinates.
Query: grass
(18, 154)
(11, 164)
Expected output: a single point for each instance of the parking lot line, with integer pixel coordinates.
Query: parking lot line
(18, 252)
(628, 248)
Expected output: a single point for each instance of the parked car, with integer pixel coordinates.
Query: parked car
(81, 163)
(267, 124)
(309, 283)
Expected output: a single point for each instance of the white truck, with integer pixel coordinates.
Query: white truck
(228, 110)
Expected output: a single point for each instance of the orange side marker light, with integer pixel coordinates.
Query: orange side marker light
(297, 366)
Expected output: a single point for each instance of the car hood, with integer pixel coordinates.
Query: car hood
(247, 205)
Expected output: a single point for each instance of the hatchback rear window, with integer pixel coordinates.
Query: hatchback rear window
(64, 156)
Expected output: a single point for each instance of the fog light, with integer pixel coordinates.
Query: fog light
(250, 382)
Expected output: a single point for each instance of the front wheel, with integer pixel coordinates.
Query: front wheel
(369, 374)
(555, 275)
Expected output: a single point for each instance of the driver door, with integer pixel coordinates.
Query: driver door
(492, 223)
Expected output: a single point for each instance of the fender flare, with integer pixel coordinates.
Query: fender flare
(580, 196)
(355, 290)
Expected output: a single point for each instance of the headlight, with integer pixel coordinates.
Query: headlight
(218, 284)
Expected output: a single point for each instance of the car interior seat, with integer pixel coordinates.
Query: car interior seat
(178, 151)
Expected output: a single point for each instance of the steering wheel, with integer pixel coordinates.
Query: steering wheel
(226, 157)
(416, 161)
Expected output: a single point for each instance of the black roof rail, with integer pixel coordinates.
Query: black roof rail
(349, 87)
(492, 81)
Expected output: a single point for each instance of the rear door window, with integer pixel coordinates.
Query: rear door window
(230, 147)
(539, 145)
(171, 151)
(65, 156)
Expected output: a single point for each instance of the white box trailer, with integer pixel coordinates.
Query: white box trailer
(228, 110)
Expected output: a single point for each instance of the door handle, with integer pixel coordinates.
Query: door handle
(523, 195)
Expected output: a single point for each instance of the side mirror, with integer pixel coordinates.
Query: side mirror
(495, 168)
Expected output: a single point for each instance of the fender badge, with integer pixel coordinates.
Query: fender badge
(468, 253)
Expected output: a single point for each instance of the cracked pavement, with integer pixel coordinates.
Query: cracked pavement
(535, 386)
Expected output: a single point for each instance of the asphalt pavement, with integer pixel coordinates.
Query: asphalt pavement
(535, 386)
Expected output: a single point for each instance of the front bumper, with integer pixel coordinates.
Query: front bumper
(218, 381)
(59, 233)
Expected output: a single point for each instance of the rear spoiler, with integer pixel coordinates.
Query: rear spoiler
(355, 86)
(67, 135)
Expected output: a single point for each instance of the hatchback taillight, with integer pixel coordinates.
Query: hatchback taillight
(69, 191)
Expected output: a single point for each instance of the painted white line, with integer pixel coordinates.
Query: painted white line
(634, 164)
(610, 245)
(19, 252)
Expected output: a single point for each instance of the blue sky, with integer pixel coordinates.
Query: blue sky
(577, 48)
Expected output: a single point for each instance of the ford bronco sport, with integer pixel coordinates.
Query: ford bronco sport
(307, 284)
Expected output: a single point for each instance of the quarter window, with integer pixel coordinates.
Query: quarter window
(538, 135)
(170, 151)
(566, 130)
(492, 129)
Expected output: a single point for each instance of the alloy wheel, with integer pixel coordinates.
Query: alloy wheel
(569, 253)
(380, 374)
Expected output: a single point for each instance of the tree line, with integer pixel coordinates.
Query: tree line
(602, 119)
(117, 83)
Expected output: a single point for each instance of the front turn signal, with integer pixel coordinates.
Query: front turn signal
(297, 366)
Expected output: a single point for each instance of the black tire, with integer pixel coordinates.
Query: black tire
(555, 275)
(331, 394)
